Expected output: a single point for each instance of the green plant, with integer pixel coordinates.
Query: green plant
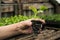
(41, 10)
(34, 10)
(11, 20)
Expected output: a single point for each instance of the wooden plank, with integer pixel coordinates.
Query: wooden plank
(7, 1)
(31, 1)
(7, 8)
(26, 6)
(0, 8)
(58, 9)
(48, 5)
(18, 1)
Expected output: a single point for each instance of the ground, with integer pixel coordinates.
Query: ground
(46, 34)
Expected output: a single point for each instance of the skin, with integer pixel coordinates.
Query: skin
(17, 28)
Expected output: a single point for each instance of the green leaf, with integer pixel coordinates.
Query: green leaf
(33, 9)
(43, 8)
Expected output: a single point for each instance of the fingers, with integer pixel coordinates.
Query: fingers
(37, 19)
(27, 31)
(41, 20)
(29, 23)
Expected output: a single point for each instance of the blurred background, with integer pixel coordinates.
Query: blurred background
(10, 8)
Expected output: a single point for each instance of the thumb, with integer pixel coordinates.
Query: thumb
(28, 23)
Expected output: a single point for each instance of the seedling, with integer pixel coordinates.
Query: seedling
(41, 10)
(34, 10)
(36, 24)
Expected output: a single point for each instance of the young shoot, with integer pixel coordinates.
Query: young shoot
(41, 10)
(34, 9)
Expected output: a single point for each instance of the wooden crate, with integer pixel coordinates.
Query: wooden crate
(31, 1)
(7, 8)
(7, 1)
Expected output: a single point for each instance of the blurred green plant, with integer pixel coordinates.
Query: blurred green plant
(11, 20)
(41, 10)
(34, 10)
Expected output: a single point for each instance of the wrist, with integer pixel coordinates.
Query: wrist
(18, 27)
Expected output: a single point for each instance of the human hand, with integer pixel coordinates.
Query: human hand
(25, 26)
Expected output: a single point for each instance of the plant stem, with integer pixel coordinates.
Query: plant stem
(35, 15)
